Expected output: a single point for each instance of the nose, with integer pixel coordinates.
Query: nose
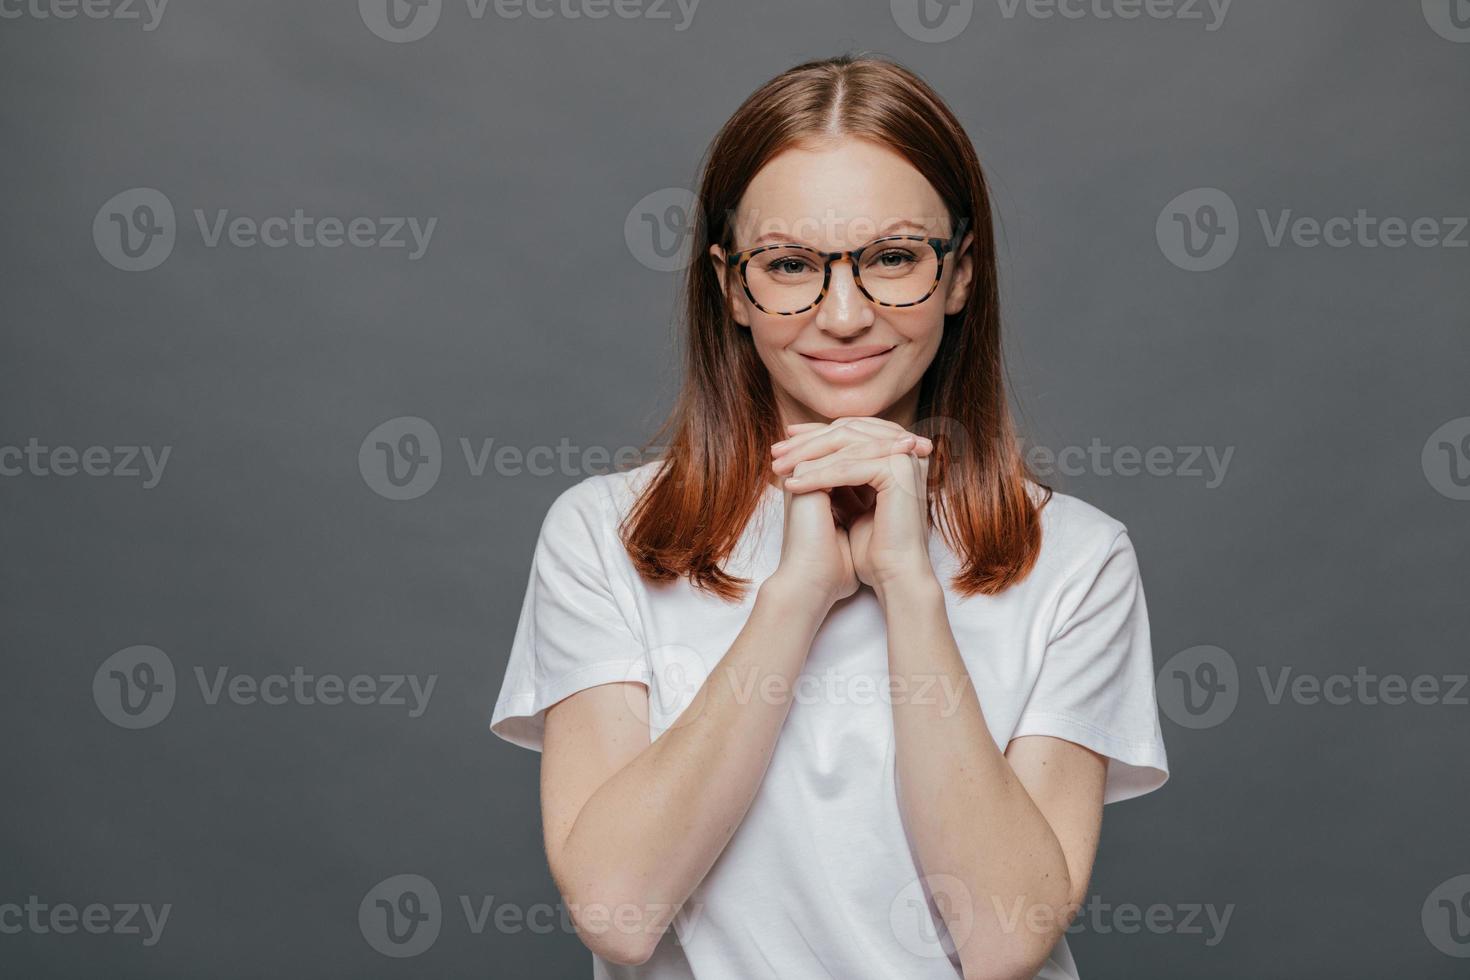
(845, 311)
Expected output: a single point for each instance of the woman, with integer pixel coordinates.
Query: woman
(833, 688)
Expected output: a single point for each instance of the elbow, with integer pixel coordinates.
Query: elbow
(621, 950)
(1020, 952)
(620, 932)
(616, 911)
(993, 973)
(1015, 966)
(1019, 962)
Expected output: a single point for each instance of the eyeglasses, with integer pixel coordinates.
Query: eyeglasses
(899, 270)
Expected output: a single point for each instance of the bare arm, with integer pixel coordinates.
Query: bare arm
(1006, 839)
(632, 827)
(1019, 829)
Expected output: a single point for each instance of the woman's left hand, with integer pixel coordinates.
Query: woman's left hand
(879, 474)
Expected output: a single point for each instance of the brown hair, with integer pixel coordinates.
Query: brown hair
(693, 511)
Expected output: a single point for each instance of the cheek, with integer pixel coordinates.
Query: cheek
(921, 326)
(772, 334)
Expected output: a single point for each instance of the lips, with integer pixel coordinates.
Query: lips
(848, 354)
(848, 364)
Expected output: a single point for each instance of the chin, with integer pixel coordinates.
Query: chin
(860, 402)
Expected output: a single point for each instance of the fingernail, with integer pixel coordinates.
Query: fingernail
(776, 447)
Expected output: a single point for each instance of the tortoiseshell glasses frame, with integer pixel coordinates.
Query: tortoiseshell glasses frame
(942, 247)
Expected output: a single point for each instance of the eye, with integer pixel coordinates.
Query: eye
(788, 265)
(895, 257)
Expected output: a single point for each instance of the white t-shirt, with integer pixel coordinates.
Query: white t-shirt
(820, 879)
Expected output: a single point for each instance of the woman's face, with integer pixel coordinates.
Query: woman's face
(849, 356)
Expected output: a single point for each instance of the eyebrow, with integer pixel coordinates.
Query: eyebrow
(892, 228)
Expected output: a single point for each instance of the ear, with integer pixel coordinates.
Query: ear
(964, 270)
(726, 278)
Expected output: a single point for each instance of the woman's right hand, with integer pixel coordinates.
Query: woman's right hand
(816, 559)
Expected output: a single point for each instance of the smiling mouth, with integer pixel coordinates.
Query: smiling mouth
(858, 369)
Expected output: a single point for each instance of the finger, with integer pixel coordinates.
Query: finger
(799, 491)
(867, 448)
(852, 444)
(798, 426)
(784, 465)
(880, 473)
(820, 441)
(804, 430)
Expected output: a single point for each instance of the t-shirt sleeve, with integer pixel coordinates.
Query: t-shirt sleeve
(1096, 684)
(576, 628)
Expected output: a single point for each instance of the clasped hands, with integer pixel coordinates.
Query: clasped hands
(856, 504)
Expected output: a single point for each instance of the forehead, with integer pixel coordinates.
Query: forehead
(845, 192)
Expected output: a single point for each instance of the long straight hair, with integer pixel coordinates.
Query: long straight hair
(691, 514)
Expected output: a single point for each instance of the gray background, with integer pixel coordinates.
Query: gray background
(530, 320)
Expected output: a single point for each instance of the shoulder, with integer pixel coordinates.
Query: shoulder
(599, 501)
(1075, 535)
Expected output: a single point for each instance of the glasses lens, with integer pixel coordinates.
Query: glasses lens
(788, 278)
(899, 271)
(784, 279)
